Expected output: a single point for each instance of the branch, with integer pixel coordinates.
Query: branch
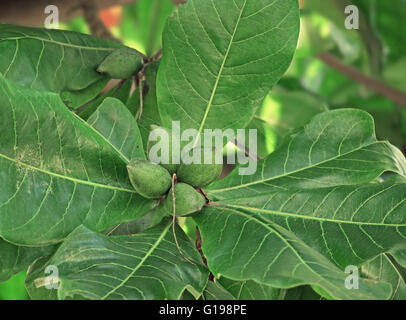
(371, 83)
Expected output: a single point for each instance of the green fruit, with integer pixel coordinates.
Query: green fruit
(149, 179)
(187, 200)
(121, 63)
(172, 168)
(199, 175)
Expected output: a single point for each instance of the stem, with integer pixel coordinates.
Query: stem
(354, 74)
(140, 87)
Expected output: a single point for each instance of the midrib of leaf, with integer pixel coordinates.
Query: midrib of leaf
(103, 137)
(286, 243)
(64, 44)
(285, 174)
(57, 175)
(219, 73)
(146, 256)
(294, 215)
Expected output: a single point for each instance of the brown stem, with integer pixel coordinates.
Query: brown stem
(91, 15)
(140, 86)
(199, 248)
(354, 74)
(247, 151)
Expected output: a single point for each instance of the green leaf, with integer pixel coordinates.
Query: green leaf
(280, 114)
(251, 290)
(150, 220)
(317, 186)
(116, 123)
(37, 270)
(57, 172)
(336, 221)
(75, 99)
(221, 58)
(336, 148)
(241, 246)
(382, 268)
(399, 254)
(301, 293)
(142, 266)
(215, 291)
(53, 60)
(15, 259)
(310, 205)
(120, 92)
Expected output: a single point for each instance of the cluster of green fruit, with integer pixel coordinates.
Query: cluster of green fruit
(153, 181)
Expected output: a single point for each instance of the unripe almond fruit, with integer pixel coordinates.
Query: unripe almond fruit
(149, 179)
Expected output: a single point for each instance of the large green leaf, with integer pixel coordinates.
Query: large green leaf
(116, 123)
(310, 205)
(221, 58)
(400, 256)
(348, 224)
(241, 246)
(142, 266)
(382, 268)
(336, 148)
(37, 270)
(121, 92)
(250, 290)
(57, 172)
(15, 259)
(54, 60)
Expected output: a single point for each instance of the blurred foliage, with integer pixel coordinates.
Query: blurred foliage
(14, 288)
(142, 24)
(378, 49)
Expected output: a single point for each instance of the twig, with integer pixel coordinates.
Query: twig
(120, 84)
(354, 74)
(91, 14)
(141, 96)
(247, 151)
(199, 248)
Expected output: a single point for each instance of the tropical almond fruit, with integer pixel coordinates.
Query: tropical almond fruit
(121, 63)
(200, 175)
(187, 200)
(149, 179)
